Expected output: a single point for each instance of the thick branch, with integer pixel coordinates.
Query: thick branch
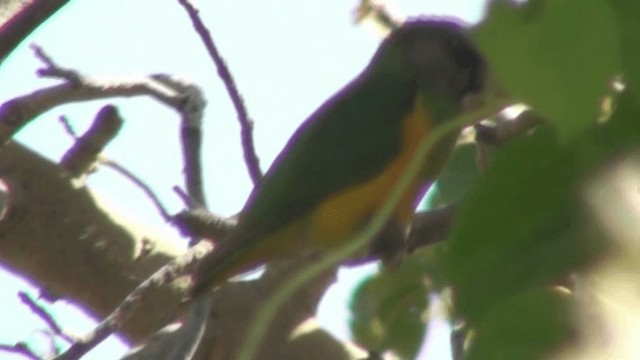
(18, 19)
(200, 223)
(294, 333)
(63, 239)
(19, 111)
(428, 227)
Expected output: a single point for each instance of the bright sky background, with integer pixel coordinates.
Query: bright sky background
(287, 57)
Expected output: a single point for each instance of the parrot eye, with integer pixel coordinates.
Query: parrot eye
(469, 64)
(442, 59)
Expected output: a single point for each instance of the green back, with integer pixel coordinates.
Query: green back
(347, 141)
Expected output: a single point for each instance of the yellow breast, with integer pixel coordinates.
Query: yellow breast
(341, 215)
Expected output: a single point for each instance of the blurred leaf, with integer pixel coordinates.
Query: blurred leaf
(557, 56)
(627, 14)
(521, 227)
(430, 261)
(388, 310)
(375, 12)
(614, 138)
(512, 219)
(526, 326)
(458, 175)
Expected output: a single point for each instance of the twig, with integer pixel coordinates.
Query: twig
(19, 111)
(141, 184)
(82, 156)
(115, 320)
(20, 348)
(53, 70)
(507, 128)
(68, 128)
(184, 97)
(54, 349)
(186, 199)
(190, 134)
(192, 115)
(430, 227)
(176, 341)
(191, 140)
(45, 316)
(246, 124)
(491, 135)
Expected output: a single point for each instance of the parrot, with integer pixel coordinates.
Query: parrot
(340, 165)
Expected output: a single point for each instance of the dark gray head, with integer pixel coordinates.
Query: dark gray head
(438, 56)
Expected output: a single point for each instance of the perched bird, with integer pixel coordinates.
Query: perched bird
(341, 164)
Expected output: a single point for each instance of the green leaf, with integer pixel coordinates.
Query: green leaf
(389, 310)
(430, 260)
(458, 175)
(522, 228)
(526, 326)
(514, 230)
(557, 56)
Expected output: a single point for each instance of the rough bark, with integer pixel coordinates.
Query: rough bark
(63, 238)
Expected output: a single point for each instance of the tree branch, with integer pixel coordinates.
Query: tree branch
(46, 317)
(18, 19)
(507, 128)
(20, 348)
(246, 124)
(123, 312)
(139, 183)
(81, 158)
(430, 227)
(490, 135)
(64, 239)
(19, 111)
(192, 112)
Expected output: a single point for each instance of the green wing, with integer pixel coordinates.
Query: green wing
(347, 141)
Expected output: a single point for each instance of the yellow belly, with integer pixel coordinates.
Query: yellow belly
(341, 215)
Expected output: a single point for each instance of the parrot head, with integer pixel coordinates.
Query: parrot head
(441, 62)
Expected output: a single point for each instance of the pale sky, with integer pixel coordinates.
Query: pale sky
(286, 56)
